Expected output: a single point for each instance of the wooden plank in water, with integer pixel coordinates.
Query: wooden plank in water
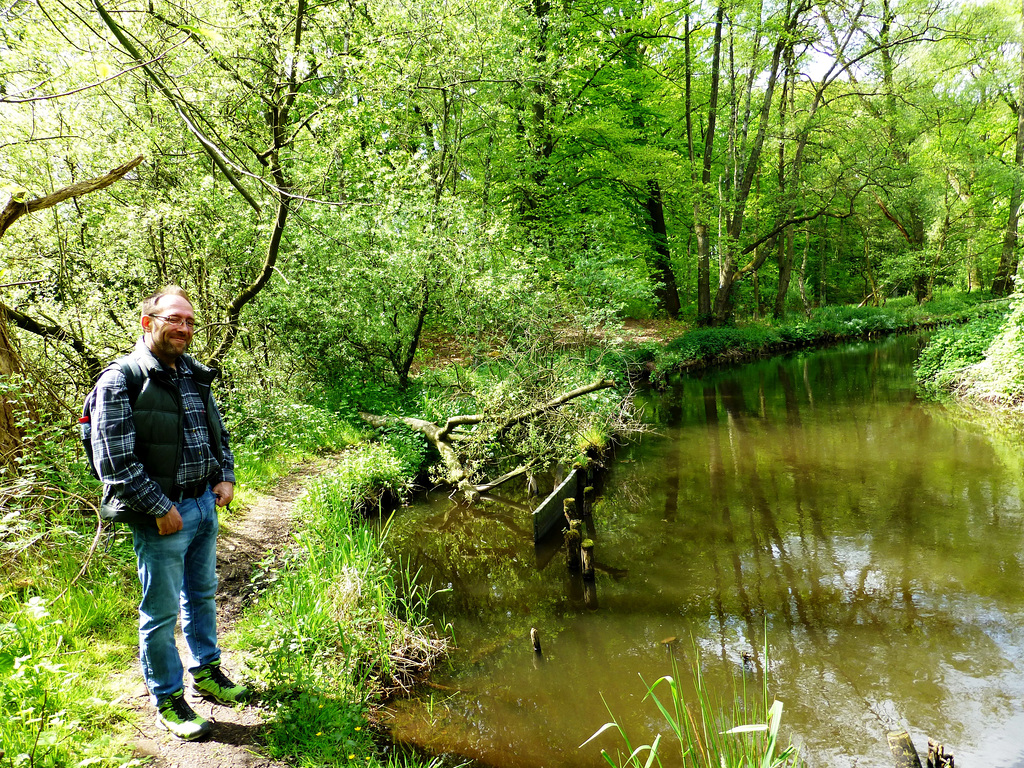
(549, 512)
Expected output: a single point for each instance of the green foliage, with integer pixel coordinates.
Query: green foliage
(409, 448)
(321, 730)
(51, 712)
(702, 344)
(269, 425)
(986, 362)
(951, 350)
(707, 732)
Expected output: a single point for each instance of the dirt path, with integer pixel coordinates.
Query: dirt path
(264, 527)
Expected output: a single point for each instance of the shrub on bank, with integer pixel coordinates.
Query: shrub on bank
(982, 361)
(700, 347)
(951, 351)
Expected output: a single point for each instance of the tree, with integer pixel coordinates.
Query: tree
(1003, 282)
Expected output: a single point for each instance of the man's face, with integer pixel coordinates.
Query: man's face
(168, 340)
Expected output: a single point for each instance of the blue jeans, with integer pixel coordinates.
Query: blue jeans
(178, 572)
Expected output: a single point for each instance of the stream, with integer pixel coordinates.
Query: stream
(814, 503)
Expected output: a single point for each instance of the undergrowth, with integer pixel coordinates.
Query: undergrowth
(706, 346)
(68, 619)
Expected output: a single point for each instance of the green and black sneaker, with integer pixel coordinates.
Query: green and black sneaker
(175, 714)
(210, 683)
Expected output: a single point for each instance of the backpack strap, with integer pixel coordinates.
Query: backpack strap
(134, 376)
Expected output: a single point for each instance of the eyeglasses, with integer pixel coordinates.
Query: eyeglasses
(177, 322)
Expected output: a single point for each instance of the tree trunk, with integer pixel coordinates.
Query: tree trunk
(785, 273)
(668, 293)
(730, 271)
(802, 278)
(10, 432)
(870, 274)
(701, 205)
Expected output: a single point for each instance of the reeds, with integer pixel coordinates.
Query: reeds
(704, 732)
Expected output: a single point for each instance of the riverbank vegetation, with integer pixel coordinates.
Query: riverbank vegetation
(449, 214)
(704, 727)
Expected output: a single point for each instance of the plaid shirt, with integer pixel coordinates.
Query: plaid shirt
(113, 446)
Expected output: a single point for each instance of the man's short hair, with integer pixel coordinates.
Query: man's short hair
(149, 303)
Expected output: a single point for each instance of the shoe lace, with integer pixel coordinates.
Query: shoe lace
(219, 678)
(181, 708)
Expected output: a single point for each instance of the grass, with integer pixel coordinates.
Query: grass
(705, 732)
(64, 634)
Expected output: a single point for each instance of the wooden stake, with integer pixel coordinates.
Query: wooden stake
(535, 639)
(938, 757)
(573, 540)
(587, 555)
(590, 595)
(569, 507)
(902, 749)
(588, 500)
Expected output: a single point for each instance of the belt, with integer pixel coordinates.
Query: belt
(189, 491)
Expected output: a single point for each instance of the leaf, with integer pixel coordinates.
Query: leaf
(599, 731)
(757, 728)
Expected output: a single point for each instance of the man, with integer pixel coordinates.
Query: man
(162, 452)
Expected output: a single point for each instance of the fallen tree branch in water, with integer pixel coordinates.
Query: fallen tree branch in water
(457, 463)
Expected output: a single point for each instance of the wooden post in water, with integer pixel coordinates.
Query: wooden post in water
(569, 508)
(573, 540)
(902, 749)
(938, 757)
(587, 555)
(535, 639)
(588, 500)
(590, 594)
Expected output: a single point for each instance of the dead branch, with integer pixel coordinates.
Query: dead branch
(16, 208)
(442, 438)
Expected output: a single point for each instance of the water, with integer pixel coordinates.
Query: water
(878, 539)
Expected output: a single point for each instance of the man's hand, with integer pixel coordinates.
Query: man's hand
(224, 492)
(169, 523)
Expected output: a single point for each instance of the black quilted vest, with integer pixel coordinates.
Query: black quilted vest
(159, 418)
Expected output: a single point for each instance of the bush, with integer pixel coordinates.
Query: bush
(951, 350)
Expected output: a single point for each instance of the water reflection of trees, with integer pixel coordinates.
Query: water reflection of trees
(879, 545)
(850, 548)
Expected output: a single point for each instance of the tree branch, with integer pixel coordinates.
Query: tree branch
(442, 439)
(56, 332)
(15, 208)
(211, 149)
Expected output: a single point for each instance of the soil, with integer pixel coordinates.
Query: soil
(247, 536)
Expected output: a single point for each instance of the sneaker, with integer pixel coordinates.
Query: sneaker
(210, 683)
(174, 714)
